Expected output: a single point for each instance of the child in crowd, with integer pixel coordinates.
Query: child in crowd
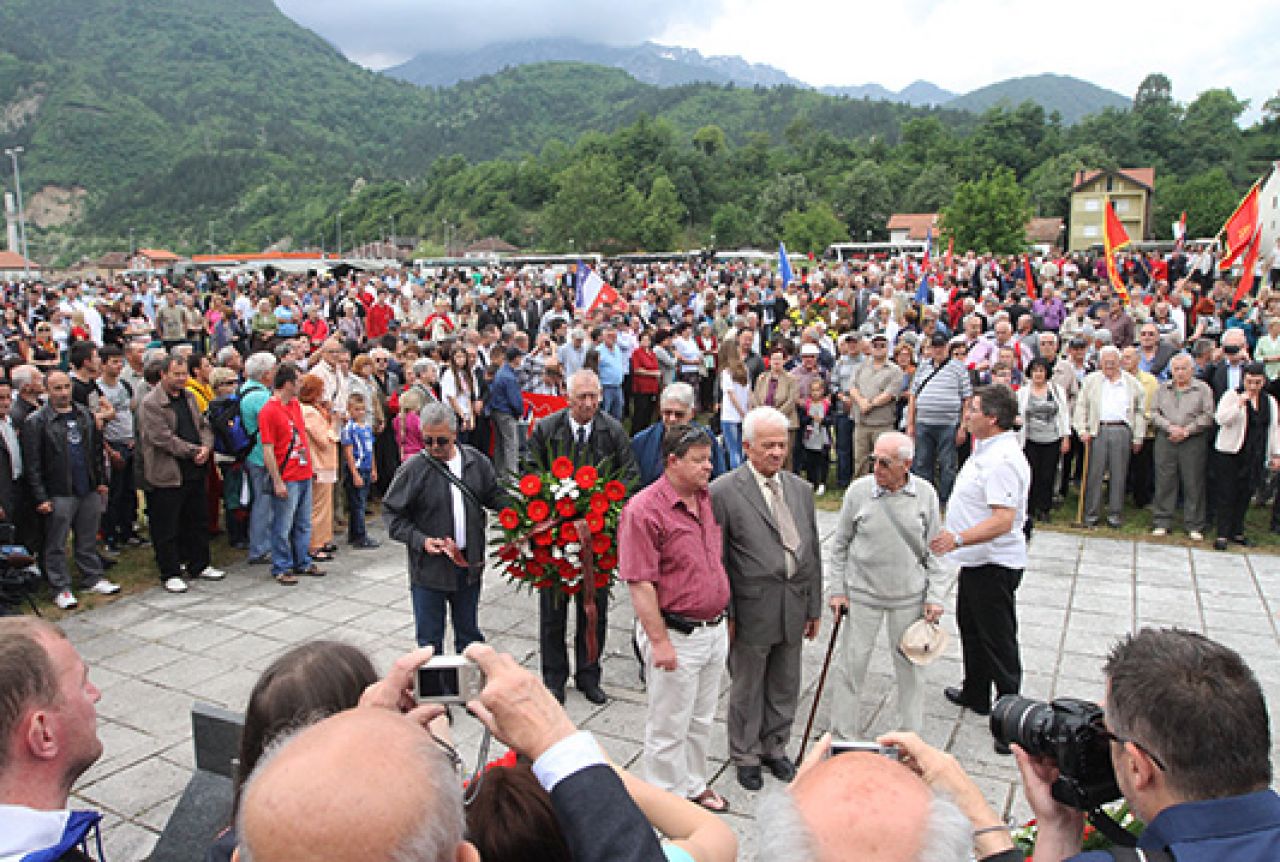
(359, 470)
(815, 435)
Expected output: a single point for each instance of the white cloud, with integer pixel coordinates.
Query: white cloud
(956, 44)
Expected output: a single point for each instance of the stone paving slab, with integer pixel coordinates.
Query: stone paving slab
(153, 654)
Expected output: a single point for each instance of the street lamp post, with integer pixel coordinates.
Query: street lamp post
(13, 153)
(339, 237)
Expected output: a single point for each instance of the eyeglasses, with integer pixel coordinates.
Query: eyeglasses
(1105, 734)
(879, 461)
(436, 442)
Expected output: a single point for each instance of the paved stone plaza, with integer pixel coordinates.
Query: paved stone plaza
(153, 654)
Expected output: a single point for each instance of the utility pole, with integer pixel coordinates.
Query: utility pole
(13, 153)
(339, 233)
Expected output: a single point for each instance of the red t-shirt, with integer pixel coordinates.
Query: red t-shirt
(283, 428)
(378, 320)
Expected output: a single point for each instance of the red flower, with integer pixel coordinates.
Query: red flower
(600, 543)
(538, 511)
(508, 553)
(542, 555)
(567, 507)
(586, 477)
(566, 569)
(517, 572)
(530, 485)
(536, 570)
(573, 590)
(565, 535)
(595, 523)
(602, 579)
(509, 519)
(562, 468)
(543, 538)
(599, 504)
(615, 491)
(608, 561)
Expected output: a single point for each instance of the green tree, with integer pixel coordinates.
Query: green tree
(930, 191)
(593, 208)
(709, 140)
(1049, 183)
(732, 226)
(1209, 135)
(864, 200)
(662, 216)
(779, 197)
(813, 230)
(989, 214)
(1208, 199)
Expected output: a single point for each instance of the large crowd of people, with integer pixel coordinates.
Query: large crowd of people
(952, 415)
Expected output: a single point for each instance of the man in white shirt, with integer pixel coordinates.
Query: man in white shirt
(983, 533)
(1110, 419)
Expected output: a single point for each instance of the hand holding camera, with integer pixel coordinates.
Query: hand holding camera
(515, 705)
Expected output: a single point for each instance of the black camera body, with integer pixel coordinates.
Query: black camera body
(1065, 730)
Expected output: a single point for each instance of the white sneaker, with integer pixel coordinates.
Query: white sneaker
(209, 573)
(1159, 531)
(1195, 535)
(105, 588)
(65, 600)
(175, 585)
(822, 489)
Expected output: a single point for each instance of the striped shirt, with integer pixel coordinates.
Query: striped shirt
(940, 402)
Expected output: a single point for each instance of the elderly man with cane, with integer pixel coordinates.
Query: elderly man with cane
(882, 573)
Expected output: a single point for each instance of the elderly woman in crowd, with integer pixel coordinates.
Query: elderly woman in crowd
(322, 440)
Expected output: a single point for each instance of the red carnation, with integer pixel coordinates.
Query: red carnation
(536, 570)
(602, 579)
(517, 572)
(595, 523)
(599, 504)
(543, 538)
(586, 477)
(530, 485)
(615, 491)
(508, 553)
(574, 589)
(538, 511)
(509, 519)
(600, 543)
(567, 507)
(562, 468)
(542, 555)
(608, 561)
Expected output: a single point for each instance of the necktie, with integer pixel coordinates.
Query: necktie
(772, 393)
(782, 514)
(580, 445)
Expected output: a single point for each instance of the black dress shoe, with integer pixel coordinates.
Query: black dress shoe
(1002, 748)
(594, 693)
(781, 767)
(1219, 544)
(749, 777)
(954, 695)
(557, 692)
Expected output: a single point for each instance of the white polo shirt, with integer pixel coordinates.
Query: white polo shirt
(996, 474)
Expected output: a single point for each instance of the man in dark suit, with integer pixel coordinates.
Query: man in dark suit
(587, 435)
(774, 561)
(10, 456)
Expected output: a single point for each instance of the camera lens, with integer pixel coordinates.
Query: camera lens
(1023, 721)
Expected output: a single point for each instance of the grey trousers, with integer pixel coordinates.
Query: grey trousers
(79, 517)
(506, 448)
(1108, 453)
(849, 673)
(1180, 466)
(763, 693)
(864, 443)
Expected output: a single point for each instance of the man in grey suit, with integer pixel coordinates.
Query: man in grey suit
(774, 563)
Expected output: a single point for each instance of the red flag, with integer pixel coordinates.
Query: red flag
(1031, 277)
(1114, 238)
(1240, 228)
(1246, 277)
(541, 406)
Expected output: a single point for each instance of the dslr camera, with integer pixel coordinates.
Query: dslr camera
(1068, 731)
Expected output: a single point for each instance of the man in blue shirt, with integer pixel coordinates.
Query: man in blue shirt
(613, 367)
(1191, 747)
(676, 406)
(506, 407)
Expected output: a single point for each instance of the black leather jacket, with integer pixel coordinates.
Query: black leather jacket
(46, 463)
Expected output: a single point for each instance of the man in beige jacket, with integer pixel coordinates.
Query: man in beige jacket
(1110, 419)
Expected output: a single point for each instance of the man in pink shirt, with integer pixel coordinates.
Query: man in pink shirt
(670, 548)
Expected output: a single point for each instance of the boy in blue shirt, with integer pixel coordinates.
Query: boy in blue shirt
(359, 471)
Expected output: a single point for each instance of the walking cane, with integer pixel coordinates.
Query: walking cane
(822, 681)
(1084, 480)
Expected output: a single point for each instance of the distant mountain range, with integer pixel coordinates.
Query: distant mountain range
(669, 66)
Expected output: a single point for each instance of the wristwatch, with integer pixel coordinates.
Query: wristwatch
(959, 541)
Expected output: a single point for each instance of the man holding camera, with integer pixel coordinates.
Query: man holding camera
(1190, 745)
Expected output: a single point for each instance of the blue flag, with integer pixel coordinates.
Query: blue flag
(923, 294)
(579, 280)
(784, 266)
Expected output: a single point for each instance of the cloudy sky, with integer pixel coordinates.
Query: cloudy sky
(957, 44)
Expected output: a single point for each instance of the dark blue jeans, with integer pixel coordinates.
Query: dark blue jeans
(844, 450)
(357, 498)
(429, 614)
(936, 447)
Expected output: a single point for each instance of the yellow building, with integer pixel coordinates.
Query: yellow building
(1130, 191)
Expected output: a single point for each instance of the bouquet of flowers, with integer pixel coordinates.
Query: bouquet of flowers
(1024, 837)
(562, 528)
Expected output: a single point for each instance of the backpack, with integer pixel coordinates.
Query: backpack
(230, 437)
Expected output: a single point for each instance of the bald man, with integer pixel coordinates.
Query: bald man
(310, 799)
(875, 809)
